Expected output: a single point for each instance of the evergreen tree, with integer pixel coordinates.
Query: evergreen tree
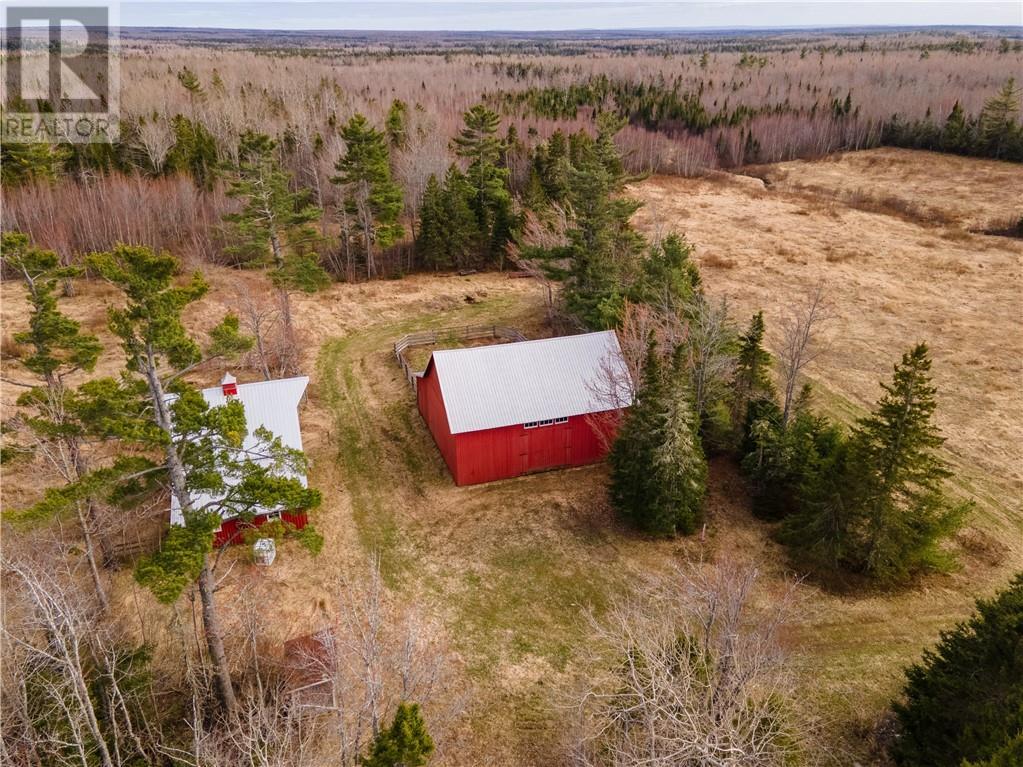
(200, 448)
(58, 348)
(23, 162)
(957, 135)
(876, 504)
(752, 379)
(551, 168)
(463, 235)
(999, 130)
(669, 280)
(1009, 755)
(274, 225)
(449, 237)
(194, 151)
(370, 195)
(396, 125)
(431, 244)
(406, 743)
(658, 470)
(491, 199)
(903, 514)
(604, 247)
(964, 700)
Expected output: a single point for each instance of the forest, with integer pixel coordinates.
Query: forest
(290, 206)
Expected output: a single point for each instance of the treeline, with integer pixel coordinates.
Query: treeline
(672, 109)
(996, 132)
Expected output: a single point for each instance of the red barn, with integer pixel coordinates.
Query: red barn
(510, 409)
(270, 405)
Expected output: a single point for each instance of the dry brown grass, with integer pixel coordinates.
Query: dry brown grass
(958, 190)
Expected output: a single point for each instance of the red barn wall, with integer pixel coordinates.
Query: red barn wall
(232, 531)
(431, 407)
(510, 451)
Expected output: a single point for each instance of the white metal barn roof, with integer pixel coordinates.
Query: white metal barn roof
(486, 387)
(272, 405)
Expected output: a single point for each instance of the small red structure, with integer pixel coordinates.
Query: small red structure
(270, 405)
(511, 409)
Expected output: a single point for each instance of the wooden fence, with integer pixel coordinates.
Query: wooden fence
(462, 333)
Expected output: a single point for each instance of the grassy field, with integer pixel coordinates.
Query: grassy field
(511, 568)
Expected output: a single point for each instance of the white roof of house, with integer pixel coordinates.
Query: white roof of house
(487, 387)
(272, 405)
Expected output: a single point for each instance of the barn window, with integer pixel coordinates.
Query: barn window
(560, 420)
(530, 425)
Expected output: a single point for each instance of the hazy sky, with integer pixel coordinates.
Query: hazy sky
(561, 14)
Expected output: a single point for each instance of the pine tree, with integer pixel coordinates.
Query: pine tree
(370, 195)
(59, 348)
(964, 700)
(406, 743)
(903, 514)
(199, 448)
(658, 470)
(491, 199)
(274, 225)
(23, 162)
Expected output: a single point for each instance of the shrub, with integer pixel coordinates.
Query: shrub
(964, 700)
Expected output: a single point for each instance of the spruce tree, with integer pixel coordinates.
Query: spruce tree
(875, 504)
(658, 470)
(406, 743)
(999, 130)
(752, 379)
(964, 699)
(431, 244)
(369, 193)
(199, 449)
(670, 280)
(902, 514)
(957, 136)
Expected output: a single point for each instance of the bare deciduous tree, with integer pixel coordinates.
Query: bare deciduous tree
(155, 139)
(694, 676)
(800, 343)
(373, 656)
(707, 337)
(63, 698)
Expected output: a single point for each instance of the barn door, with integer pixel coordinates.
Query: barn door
(523, 451)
